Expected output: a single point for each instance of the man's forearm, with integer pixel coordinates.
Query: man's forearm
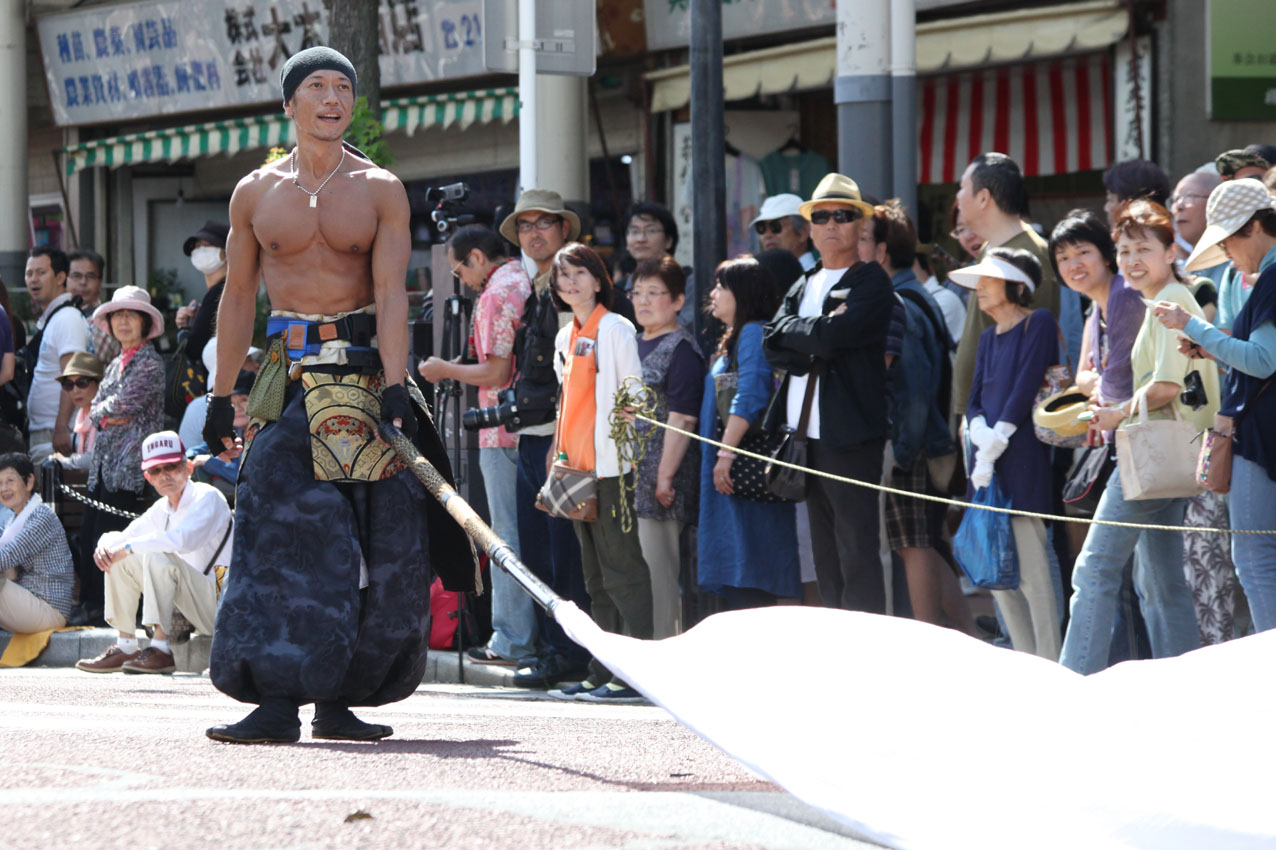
(234, 334)
(65, 409)
(392, 334)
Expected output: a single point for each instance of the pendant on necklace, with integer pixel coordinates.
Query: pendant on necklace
(314, 201)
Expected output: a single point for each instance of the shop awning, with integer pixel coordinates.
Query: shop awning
(233, 135)
(948, 45)
(1051, 117)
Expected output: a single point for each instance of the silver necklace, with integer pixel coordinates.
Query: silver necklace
(314, 196)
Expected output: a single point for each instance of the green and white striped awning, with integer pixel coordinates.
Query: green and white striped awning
(231, 136)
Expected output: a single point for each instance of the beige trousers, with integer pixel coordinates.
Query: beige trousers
(659, 541)
(22, 612)
(1031, 612)
(163, 582)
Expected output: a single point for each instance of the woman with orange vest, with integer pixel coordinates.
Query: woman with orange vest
(596, 352)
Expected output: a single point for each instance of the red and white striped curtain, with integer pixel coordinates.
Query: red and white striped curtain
(1051, 117)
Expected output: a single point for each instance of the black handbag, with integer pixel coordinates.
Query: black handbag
(1085, 484)
(788, 483)
(748, 474)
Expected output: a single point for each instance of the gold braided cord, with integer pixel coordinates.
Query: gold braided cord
(624, 399)
(631, 446)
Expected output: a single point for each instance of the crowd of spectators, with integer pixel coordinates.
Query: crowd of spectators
(842, 335)
(83, 402)
(842, 332)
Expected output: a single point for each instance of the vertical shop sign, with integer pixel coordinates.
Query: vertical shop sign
(148, 58)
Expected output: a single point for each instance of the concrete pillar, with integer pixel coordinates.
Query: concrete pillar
(904, 103)
(862, 92)
(562, 135)
(14, 227)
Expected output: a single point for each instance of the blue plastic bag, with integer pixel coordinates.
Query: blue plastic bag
(984, 544)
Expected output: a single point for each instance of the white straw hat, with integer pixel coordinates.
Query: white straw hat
(990, 267)
(1231, 204)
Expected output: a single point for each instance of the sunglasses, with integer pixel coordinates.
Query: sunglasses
(842, 216)
(775, 225)
(77, 383)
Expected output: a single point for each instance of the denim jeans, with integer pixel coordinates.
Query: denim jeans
(1164, 597)
(549, 546)
(514, 629)
(1252, 504)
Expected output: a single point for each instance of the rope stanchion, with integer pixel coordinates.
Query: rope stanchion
(624, 400)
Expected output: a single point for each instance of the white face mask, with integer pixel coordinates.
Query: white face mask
(206, 259)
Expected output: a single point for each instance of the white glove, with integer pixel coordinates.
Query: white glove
(981, 475)
(998, 440)
(979, 432)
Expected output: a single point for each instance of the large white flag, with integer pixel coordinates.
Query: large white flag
(920, 737)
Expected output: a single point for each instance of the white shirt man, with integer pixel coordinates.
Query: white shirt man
(64, 332)
(169, 556)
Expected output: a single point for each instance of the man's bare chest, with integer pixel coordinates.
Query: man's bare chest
(343, 219)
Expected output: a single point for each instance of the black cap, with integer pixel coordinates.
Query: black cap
(213, 232)
(244, 383)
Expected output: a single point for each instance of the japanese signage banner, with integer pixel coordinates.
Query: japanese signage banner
(669, 21)
(1242, 60)
(160, 57)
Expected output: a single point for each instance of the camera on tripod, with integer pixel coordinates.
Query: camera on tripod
(446, 200)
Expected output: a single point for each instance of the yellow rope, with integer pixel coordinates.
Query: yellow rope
(624, 400)
(631, 446)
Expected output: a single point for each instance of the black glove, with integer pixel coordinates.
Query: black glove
(396, 404)
(219, 422)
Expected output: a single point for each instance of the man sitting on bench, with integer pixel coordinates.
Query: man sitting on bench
(170, 556)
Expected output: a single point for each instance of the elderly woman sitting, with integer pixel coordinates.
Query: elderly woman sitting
(129, 405)
(36, 573)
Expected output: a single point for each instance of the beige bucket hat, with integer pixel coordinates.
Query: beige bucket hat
(539, 200)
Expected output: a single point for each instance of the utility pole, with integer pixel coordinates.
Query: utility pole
(14, 227)
(708, 137)
(862, 92)
(527, 123)
(904, 102)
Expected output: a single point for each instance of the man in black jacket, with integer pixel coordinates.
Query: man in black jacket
(834, 320)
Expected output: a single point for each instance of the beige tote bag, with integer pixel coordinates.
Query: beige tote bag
(1157, 457)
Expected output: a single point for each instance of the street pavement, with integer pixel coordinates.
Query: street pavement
(116, 761)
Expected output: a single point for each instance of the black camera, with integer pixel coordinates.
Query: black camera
(521, 406)
(446, 199)
(1193, 394)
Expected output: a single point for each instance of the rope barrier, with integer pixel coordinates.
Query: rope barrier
(624, 400)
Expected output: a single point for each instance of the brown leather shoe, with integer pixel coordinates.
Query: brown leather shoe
(108, 662)
(151, 660)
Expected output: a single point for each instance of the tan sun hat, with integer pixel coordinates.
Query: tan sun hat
(129, 298)
(1231, 204)
(540, 200)
(83, 365)
(840, 189)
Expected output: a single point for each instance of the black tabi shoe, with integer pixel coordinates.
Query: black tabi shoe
(275, 721)
(335, 722)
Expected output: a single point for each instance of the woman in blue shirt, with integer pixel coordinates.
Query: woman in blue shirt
(1241, 226)
(747, 549)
